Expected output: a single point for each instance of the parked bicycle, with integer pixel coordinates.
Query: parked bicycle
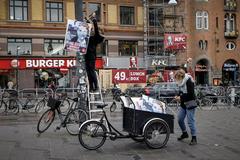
(42, 102)
(72, 120)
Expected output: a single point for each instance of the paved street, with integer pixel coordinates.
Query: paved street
(218, 138)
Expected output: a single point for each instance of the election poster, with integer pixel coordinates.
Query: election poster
(77, 36)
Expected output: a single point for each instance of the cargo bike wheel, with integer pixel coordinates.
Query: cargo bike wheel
(92, 135)
(156, 133)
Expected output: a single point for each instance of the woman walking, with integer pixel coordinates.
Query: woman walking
(188, 105)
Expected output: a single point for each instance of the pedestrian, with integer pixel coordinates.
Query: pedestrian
(90, 57)
(188, 104)
(10, 84)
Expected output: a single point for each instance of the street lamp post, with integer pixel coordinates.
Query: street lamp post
(17, 78)
(80, 63)
(173, 3)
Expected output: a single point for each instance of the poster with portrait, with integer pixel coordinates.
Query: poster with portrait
(77, 36)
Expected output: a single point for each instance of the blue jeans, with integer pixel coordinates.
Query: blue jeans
(190, 113)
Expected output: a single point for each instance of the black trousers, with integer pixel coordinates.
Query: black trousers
(92, 77)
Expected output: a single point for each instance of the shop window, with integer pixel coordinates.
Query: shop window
(18, 10)
(127, 48)
(95, 7)
(54, 46)
(19, 46)
(127, 15)
(54, 11)
(230, 46)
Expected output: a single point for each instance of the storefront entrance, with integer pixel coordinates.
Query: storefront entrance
(230, 72)
(202, 72)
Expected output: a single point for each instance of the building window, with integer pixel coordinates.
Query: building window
(54, 11)
(230, 46)
(95, 7)
(127, 15)
(54, 46)
(102, 49)
(156, 16)
(203, 44)
(127, 48)
(201, 20)
(229, 21)
(156, 47)
(19, 46)
(18, 10)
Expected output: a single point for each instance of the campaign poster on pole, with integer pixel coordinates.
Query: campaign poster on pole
(77, 36)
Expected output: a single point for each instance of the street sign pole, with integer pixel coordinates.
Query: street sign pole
(80, 63)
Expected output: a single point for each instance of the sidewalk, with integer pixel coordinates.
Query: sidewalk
(218, 137)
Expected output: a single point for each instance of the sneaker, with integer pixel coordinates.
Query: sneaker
(183, 136)
(193, 141)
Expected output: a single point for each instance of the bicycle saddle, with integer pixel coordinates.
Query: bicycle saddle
(101, 105)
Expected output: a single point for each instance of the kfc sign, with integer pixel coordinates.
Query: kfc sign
(133, 62)
(175, 41)
(159, 62)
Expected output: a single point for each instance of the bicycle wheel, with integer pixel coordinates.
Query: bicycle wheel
(113, 107)
(156, 134)
(64, 106)
(40, 106)
(74, 120)
(31, 105)
(12, 106)
(45, 121)
(92, 135)
(3, 106)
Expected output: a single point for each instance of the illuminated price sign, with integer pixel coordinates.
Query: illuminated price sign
(128, 76)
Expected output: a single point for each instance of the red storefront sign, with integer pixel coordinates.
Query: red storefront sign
(37, 63)
(175, 41)
(128, 76)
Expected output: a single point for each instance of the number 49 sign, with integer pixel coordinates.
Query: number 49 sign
(128, 76)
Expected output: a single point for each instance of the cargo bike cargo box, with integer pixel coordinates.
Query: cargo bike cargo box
(134, 119)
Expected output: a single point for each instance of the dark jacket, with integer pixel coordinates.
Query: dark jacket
(93, 42)
(190, 95)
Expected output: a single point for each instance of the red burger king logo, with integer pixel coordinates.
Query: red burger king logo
(15, 63)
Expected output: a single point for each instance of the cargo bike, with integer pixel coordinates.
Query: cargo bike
(142, 126)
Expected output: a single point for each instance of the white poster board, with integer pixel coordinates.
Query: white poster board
(145, 103)
(77, 36)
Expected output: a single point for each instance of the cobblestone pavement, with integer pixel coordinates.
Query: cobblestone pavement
(218, 137)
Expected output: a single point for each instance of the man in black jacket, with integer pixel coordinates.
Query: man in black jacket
(90, 56)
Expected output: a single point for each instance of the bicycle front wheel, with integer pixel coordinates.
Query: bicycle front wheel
(45, 121)
(40, 105)
(92, 135)
(74, 120)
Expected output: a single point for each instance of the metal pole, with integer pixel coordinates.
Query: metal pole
(80, 63)
(78, 10)
(17, 80)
